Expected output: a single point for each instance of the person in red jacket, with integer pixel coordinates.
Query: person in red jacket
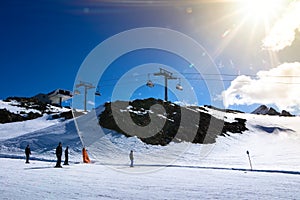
(85, 156)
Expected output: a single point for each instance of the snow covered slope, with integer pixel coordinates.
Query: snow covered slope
(40, 180)
(176, 171)
(272, 141)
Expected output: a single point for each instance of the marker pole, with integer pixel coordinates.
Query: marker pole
(249, 159)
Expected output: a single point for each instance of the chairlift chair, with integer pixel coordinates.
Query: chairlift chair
(150, 83)
(178, 86)
(76, 92)
(97, 93)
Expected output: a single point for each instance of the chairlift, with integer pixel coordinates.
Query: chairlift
(178, 86)
(76, 92)
(149, 82)
(97, 93)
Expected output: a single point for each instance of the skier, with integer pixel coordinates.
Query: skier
(27, 153)
(85, 156)
(131, 158)
(58, 153)
(66, 156)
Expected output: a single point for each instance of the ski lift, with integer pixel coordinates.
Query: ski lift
(97, 93)
(76, 92)
(149, 82)
(178, 86)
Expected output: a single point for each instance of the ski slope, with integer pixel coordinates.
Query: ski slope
(177, 171)
(39, 180)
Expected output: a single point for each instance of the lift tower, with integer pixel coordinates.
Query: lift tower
(86, 86)
(168, 76)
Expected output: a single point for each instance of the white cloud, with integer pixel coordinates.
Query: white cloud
(91, 103)
(279, 86)
(283, 33)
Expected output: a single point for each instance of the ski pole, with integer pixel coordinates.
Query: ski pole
(249, 160)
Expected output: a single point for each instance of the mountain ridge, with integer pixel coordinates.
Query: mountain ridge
(265, 110)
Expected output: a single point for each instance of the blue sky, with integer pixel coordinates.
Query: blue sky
(43, 43)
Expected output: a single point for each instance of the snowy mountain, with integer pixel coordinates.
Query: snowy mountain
(199, 169)
(264, 110)
(44, 133)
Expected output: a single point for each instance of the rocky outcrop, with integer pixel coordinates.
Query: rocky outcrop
(205, 130)
(31, 108)
(8, 117)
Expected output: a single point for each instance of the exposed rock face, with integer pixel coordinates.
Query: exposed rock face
(286, 113)
(37, 109)
(272, 111)
(205, 130)
(264, 110)
(7, 117)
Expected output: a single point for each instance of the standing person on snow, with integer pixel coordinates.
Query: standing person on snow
(27, 153)
(66, 156)
(85, 156)
(131, 158)
(58, 153)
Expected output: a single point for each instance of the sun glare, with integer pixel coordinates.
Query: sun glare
(261, 9)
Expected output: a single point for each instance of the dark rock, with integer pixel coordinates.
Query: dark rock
(29, 103)
(272, 111)
(222, 109)
(175, 129)
(8, 117)
(286, 114)
(67, 115)
(264, 110)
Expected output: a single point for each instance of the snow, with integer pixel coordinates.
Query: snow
(176, 171)
(12, 130)
(39, 180)
(130, 109)
(164, 117)
(13, 106)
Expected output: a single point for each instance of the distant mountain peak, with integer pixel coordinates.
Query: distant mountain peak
(261, 110)
(265, 110)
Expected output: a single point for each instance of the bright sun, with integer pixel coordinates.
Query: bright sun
(261, 9)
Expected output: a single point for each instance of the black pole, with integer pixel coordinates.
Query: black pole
(249, 159)
(166, 88)
(85, 98)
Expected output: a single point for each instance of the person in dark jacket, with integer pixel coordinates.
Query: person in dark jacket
(58, 153)
(27, 153)
(131, 158)
(66, 156)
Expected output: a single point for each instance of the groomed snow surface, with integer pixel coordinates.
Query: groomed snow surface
(178, 171)
(39, 180)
